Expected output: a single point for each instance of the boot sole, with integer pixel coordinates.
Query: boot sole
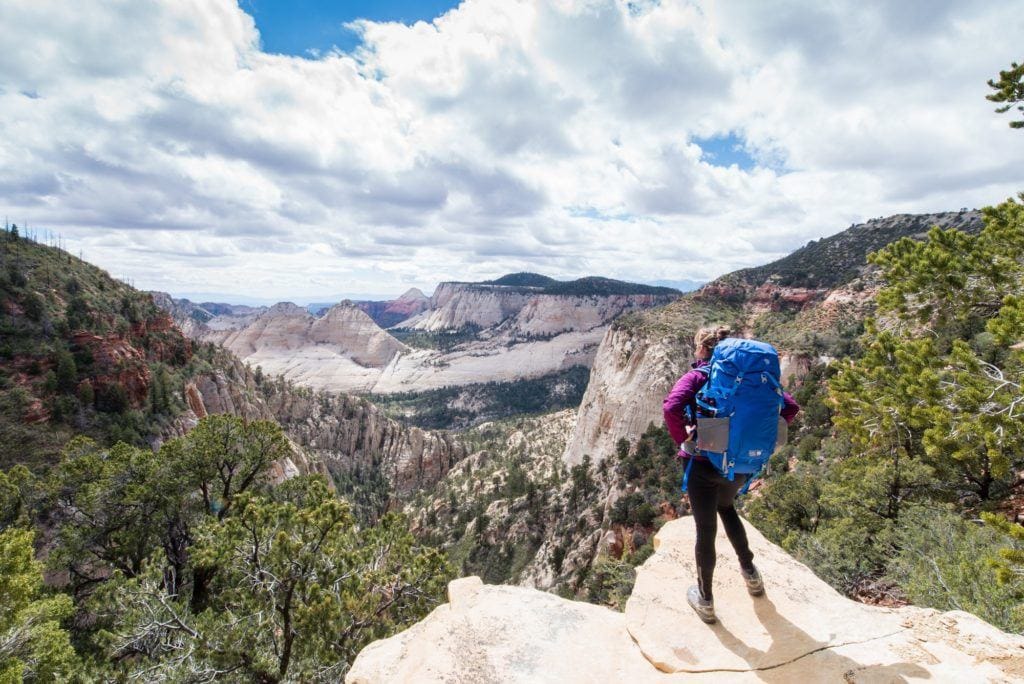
(707, 620)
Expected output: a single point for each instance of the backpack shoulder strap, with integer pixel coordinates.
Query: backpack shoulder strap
(693, 405)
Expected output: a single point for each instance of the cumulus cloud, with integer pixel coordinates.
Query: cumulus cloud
(552, 135)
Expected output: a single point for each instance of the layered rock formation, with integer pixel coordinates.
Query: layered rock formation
(333, 434)
(801, 630)
(285, 328)
(457, 305)
(553, 314)
(524, 311)
(348, 433)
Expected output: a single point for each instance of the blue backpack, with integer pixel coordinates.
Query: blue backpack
(738, 421)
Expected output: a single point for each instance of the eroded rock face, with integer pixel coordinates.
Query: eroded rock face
(286, 328)
(354, 333)
(344, 432)
(523, 334)
(457, 305)
(332, 433)
(800, 631)
(553, 314)
(118, 365)
(630, 378)
(523, 311)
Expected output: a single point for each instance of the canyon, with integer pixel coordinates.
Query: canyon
(468, 333)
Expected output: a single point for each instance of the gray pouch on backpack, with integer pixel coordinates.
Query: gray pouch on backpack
(713, 434)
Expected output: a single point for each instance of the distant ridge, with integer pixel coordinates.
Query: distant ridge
(594, 285)
(522, 280)
(590, 285)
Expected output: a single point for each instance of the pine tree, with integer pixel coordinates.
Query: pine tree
(941, 381)
(1009, 89)
(33, 645)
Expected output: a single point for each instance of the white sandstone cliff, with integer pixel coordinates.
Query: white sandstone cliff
(523, 334)
(631, 375)
(546, 314)
(457, 305)
(286, 328)
(354, 334)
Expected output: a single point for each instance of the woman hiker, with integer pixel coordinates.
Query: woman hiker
(708, 489)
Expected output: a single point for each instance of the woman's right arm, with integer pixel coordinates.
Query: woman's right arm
(675, 403)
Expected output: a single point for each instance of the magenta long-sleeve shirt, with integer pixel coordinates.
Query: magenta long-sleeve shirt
(686, 388)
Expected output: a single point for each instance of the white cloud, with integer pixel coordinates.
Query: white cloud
(547, 135)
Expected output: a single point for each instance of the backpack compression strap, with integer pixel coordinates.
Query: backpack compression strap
(750, 480)
(686, 473)
(754, 476)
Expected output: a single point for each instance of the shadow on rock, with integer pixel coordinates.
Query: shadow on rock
(819, 663)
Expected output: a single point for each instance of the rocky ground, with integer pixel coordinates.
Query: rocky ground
(801, 630)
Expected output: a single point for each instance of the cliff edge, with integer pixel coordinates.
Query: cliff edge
(801, 630)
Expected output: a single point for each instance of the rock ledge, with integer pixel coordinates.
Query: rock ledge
(801, 630)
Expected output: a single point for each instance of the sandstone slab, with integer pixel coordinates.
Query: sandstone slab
(800, 631)
(505, 634)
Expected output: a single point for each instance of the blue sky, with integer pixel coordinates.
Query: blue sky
(725, 150)
(297, 27)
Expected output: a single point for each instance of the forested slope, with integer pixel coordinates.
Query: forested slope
(152, 478)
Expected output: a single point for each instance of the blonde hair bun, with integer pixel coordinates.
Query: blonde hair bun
(707, 338)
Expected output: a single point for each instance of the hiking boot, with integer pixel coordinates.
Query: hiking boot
(705, 609)
(755, 585)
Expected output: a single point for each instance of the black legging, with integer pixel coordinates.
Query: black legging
(710, 491)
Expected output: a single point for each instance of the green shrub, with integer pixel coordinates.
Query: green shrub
(610, 582)
(945, 562)
(34, 306)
